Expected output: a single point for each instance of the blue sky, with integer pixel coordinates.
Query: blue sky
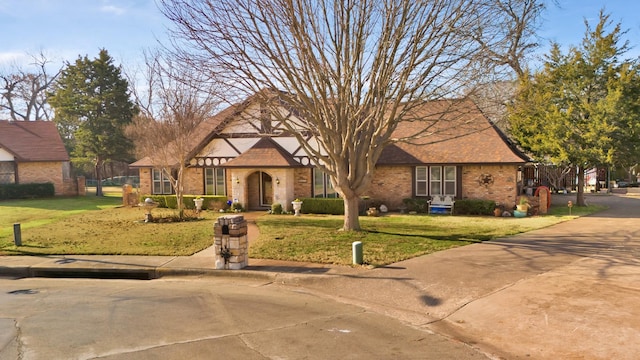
(65, 29)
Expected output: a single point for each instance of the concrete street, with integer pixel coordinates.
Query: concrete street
(191, 318)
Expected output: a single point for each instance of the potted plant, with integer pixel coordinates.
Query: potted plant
(523, 204)
(198, 202)
(498, 210)
(297, 206)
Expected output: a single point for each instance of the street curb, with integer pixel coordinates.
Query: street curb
(144, 273)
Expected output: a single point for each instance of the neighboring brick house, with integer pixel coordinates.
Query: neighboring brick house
(238, 154)
(33, 152)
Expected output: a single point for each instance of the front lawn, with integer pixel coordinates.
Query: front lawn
(385, 240)
(99, 225)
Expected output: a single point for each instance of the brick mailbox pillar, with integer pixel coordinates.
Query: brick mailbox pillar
(230, 242)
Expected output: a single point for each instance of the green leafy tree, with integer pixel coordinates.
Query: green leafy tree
(581, 108)
(92, 107)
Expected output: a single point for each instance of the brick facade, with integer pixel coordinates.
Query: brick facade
(490, 182)
(42, 172)
(303, 185)
(391, 184)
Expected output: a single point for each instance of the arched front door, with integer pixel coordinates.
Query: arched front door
(260, 190)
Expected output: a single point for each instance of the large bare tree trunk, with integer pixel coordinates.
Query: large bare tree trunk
(351, 213)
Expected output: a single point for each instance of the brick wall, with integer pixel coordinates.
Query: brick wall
(42, 172)
(194, 181)
(145, 180)
(490, 182)
(303, 182)
(391, 184)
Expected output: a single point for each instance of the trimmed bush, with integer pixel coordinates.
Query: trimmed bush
(276, 208)
(211, 202)
(26, 191)
(418, 205)
(329, 206)
(474, 207)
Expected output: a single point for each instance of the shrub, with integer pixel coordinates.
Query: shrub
(474, 207)
(211, 202)
(26, 191)
(237, 207)
(330, 206)
(276, 208)
(418, 205)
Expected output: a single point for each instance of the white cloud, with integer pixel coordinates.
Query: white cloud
(13, 58)
(112, 9)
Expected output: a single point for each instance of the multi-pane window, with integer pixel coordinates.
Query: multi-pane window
(7, 172)
(322, 186)
(435, 180)
(161, 182)
(214, 181)
(421, 181)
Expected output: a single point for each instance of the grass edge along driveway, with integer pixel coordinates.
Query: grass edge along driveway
(100, 226)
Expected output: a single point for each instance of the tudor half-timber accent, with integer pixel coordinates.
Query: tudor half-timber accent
(246, 155)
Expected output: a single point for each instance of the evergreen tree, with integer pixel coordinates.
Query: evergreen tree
(581, 108)
(92, 107)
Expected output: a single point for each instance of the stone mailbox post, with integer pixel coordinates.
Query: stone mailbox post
(230, 242)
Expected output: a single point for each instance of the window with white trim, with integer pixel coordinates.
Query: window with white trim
(214, 181)
(435, 180)
(322, 186)
(161, 182)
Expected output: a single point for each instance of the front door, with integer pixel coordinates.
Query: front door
(266, 189)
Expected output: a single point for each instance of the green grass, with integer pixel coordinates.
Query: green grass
(97, 225)
(100, 225)
(387, 239)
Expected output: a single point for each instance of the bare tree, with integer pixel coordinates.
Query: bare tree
(347, 71)
(173, 102)
(23, 95)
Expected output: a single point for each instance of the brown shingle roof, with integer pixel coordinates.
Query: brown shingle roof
(32, 141)
(265, 152)
(454, 132)
(203, 134)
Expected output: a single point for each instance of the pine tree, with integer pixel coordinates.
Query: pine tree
(581, 108)
(92, 107)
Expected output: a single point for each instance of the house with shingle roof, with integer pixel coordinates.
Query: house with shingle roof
(33, 152)
(450, 148)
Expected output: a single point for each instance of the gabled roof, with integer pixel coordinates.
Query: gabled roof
(32, 141)
(265, 153)
(205, 131)
(450, 132)
(455, 132)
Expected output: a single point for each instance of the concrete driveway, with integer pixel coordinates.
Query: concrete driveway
(569, 291)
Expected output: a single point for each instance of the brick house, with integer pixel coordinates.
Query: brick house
(239, 155)
(33, 152)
